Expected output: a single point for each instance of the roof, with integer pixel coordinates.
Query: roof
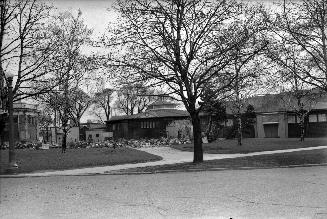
(159, 113)
(161, 102)
(280, 103)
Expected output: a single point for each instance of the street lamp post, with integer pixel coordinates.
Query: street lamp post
(12, 161)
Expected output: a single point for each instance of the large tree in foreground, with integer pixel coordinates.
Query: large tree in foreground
(185, 45)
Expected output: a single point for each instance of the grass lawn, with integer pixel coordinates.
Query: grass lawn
(318, 156)
(39, 160)
(254, 145)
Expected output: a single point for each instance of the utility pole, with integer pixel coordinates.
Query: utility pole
(12, 160)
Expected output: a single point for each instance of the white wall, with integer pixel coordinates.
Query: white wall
(98, 135)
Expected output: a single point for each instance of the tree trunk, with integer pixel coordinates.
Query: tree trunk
(197, 139)
(239, 130)
(302, 129)
(47, 130)
(64, 141)
(55, 126)
(209, 126)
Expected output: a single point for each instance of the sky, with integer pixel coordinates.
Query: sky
(94, 12)
(97, 16)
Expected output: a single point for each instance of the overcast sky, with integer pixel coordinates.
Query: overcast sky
(96, 15)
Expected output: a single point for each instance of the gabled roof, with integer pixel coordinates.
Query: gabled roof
(159, 113)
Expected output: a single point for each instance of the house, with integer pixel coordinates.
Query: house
(159, 120)
(26, 127)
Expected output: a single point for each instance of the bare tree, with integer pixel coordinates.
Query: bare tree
(68, 68)
(25, 47)
(102, 104)
(298, 52)
(134, 98)
(246, 64)
(79, 102)
(296, 95)
(302, 27)
(185, 45)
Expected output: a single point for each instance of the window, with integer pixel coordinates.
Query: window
(97, 135)
(313, 118)
(291, 119)
(148, 124)
(113, 127)
(229, 122)
(322, 118)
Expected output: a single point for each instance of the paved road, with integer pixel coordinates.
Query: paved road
(260, 193)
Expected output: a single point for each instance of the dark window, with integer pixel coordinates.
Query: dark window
(15, 119)
(148, 124)
(97, 135)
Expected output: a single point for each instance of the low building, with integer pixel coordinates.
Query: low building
(272, 119)
(275, 119)
(98, 135)
(152, 123)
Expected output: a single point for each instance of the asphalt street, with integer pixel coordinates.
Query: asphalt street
(259, 193)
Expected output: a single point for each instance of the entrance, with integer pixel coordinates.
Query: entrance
(271, 130)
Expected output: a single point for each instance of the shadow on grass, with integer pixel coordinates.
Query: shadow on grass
(300, 158)
(254, 145)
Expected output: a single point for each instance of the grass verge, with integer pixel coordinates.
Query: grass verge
(41, 160)
(299, 158)
(254, 145)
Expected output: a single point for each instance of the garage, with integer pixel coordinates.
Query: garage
(271, 130)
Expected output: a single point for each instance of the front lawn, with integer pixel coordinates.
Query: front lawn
(40, 160)
(254, 145)
(299, 158)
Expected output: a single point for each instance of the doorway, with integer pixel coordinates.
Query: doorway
(271, 130)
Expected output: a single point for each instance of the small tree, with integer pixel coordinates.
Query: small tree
(216, 111)
(292, 64)
(68, 68)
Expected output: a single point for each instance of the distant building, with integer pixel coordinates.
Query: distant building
(272, 120)
(26, 126)
(152, 123)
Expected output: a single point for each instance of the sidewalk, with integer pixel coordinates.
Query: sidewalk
(169, 155)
